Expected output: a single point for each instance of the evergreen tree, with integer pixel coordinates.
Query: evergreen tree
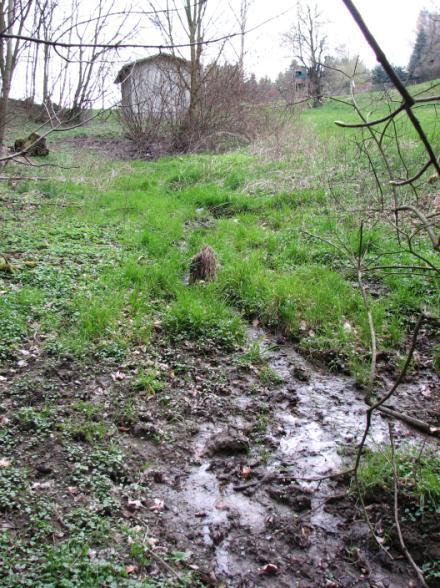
(380, 77)
(418, 52)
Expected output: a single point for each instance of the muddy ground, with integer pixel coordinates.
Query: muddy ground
(219, 464)
(120, 149)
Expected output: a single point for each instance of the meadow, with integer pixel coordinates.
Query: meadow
(94, 261)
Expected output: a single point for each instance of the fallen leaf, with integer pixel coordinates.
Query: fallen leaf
(246, 472)
(157, 504)
(123, 429)
(268, 569)
(4, 420)
(42, 485)
(131, 569)
(152, 542)
(7, 525)
(134, 505)
(118, 376)
(426, 392)
(5, 463)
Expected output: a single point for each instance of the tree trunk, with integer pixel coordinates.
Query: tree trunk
(4, 102)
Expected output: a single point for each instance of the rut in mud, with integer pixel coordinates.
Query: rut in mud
(216, 466)
(256, 518)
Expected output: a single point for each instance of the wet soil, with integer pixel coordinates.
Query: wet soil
(116, 149)
(242, 476)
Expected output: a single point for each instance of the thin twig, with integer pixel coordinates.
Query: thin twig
(407, 554)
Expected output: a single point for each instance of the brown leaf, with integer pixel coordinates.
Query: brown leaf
(43, 485)
(246, 472)
(118, 376)
(131, 569)
(133, 505)
(127, 514)
(157, 504)
(268, 569)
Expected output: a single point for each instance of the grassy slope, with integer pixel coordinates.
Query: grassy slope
(100, 255)
(124, 251)
(135, 234)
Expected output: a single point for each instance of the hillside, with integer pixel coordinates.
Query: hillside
(157, 433)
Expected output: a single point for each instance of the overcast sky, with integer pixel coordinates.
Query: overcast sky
(393, 22)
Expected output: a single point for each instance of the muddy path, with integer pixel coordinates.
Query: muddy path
(245, 502)
(218, 466)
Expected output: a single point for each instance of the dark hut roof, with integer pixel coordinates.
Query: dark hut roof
(159, 57)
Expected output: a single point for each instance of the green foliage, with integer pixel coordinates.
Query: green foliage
(419, 478)
(268, 377)
(12, 483)
(379, 75)
(34, 420)
(197, 315)
(253, 356)
(148, 381)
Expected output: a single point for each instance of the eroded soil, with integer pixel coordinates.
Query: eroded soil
(120, 149)
(235, 470)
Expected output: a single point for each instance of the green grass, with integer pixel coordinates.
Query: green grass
(110, 262)
(419, 475)
(419, 491)
(105, 251)
(100, 255)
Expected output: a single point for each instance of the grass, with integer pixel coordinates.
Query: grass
(100, 256)
(100, 269)
(419, 478)
(418, 474)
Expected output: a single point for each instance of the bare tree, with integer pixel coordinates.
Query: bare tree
(85, 65)
(189, 18)
(241, 18)
(46, 10)
(13, 17)
(424, 63)
(308, 43)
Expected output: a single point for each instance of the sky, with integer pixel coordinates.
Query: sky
(393, 22)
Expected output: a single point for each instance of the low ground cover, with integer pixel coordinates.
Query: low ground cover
(94, 284)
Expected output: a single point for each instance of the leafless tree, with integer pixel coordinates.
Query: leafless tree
(186, 19)
(241, 17)
(85, 65)
(14, 15)
(46, 9)
(308, 43)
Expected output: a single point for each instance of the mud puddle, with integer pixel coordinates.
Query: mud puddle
(249, 502)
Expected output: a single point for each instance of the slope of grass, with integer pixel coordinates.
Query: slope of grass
(109, 262)
(98, 256)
